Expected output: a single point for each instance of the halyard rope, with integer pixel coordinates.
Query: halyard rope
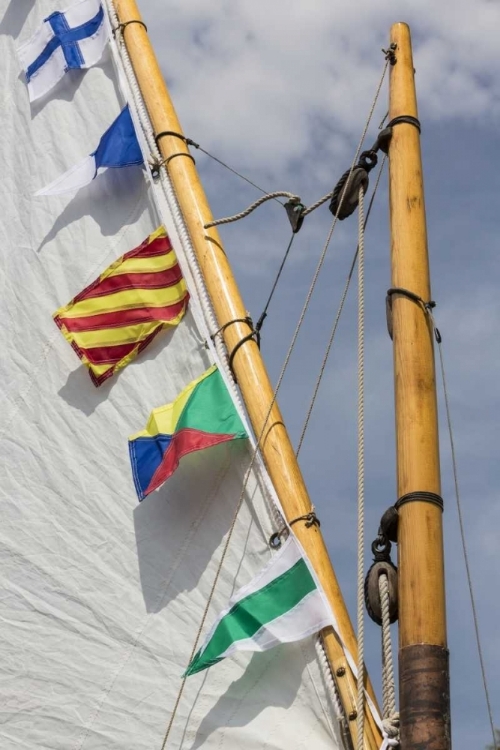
(462, 536)
(360, 703)
(337, 319)
(390, 715)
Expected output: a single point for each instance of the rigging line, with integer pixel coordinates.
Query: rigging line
(329, 195)
(252, 207)
(389, 689)
(223, 164)
(360, 703)
(337, 317)
(271, 405)
(280, 270)
(464, 544)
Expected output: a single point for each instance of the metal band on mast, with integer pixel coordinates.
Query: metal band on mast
(253, 380)
(423, 655)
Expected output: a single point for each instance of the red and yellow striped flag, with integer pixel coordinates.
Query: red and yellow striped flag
(117, 316)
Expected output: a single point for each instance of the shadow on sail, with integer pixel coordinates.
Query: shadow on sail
(112, 201)
(270, 678)
(78, 391)
(16, 14)
(69, 84)
(180, 527)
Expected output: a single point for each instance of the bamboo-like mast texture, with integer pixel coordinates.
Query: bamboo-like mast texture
(423, 656)
(249, 367)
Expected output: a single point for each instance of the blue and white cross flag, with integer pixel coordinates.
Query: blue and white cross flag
(118, 147)
(74, 38)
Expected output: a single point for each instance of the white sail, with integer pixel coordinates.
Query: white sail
(102, 598)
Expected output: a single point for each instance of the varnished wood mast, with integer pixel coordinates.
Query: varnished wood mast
(423, 656)
(249, 368)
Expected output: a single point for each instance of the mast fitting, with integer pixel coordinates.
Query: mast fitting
(311, 519)
(427, 307)
(254, 334)
(122, 26)
(164, 133)
(407, 120)
(422, 497)
(390, 53)
(382, 565)
(345, 195)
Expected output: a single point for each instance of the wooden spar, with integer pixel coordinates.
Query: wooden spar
(249, 368)
(423, 656)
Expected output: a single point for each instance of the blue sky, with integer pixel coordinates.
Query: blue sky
(281, 93)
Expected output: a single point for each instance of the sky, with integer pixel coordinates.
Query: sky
(281, 91)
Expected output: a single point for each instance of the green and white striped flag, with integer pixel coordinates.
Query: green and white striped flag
(283, 603)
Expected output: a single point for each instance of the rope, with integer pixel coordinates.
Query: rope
(462, 535)
(337, 317)
(390, 714)
(360, 703)
(326, 197)
(238, 174)
(256, 204)
(278, 275)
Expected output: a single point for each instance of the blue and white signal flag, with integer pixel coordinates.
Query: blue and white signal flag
(74, 38)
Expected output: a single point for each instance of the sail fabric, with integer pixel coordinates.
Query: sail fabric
(117, 148)
(67, 40)
(282, 604)
(102, 596)
(202, 416)
(114, 318)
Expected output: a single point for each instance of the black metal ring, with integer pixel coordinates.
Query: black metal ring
(122, 26)
(311, 519)
(180, 153)
(407, 119)
(246, 320)
(169, 132)
(425, 497)
(253, 335)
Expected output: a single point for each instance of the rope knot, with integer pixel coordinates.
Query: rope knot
(390, 730)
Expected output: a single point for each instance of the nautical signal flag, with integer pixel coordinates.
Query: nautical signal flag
(121, 312)
(74, 38)
(203, 415)
(282, 604)
(118, 147)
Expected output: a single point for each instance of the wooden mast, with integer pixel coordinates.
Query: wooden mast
(248, 365)
(423, 656)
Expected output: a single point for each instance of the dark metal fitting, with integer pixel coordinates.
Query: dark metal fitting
(353, 715)
(406, 120)
(389, 524)
(358, 178)
(275, 541)
(390, 53)
(422, 497)
(340, 672)
(368, 160)
(372, 592)
(383, 141)
(295, 212)
(381, 549)
(311, 519)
